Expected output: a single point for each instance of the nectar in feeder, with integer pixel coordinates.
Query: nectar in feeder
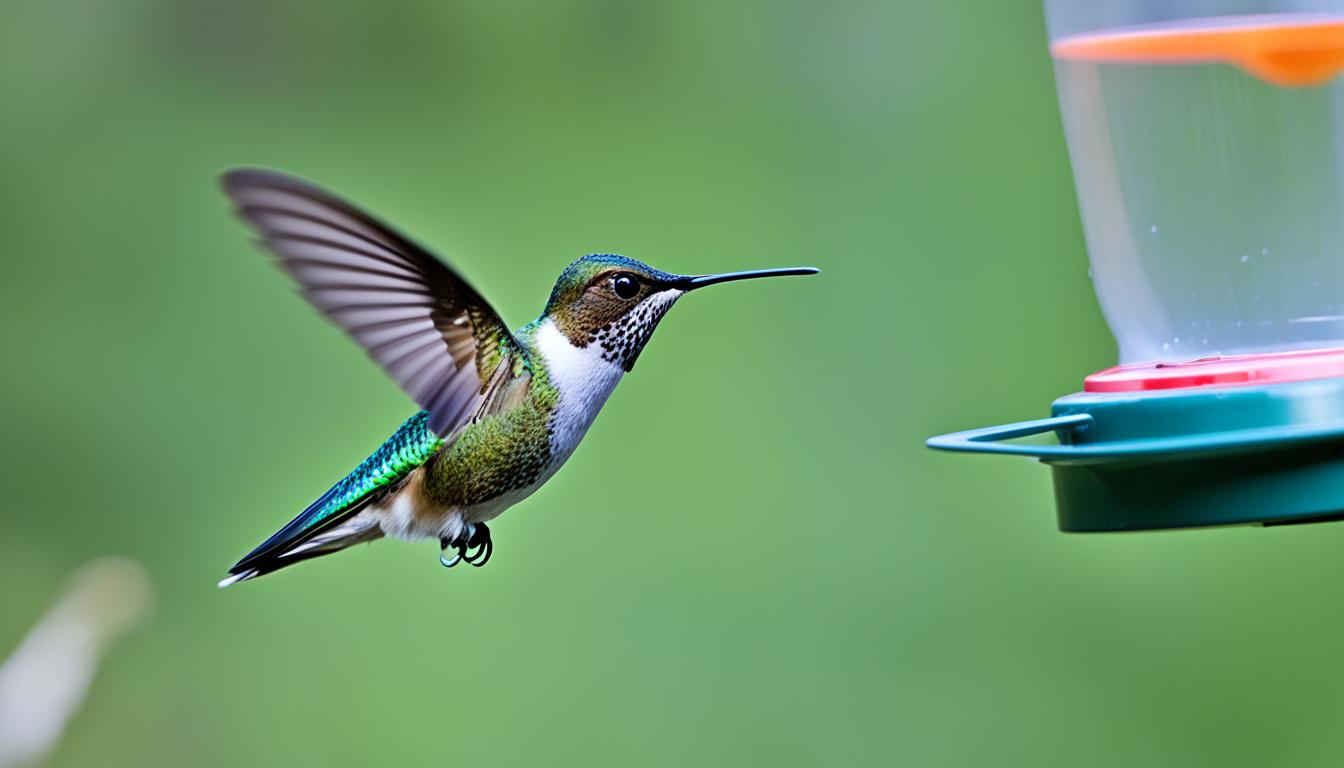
(1212, 199)
(1208, 155)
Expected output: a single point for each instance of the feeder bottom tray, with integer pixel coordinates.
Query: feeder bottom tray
(1240, 454)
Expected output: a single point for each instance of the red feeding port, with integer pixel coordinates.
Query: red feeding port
(1236, 369)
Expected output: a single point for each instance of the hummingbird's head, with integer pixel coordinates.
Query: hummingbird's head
(616, 302)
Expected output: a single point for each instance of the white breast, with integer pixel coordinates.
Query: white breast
(584, 381)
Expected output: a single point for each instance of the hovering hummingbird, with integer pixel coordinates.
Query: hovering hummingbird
(501, 410)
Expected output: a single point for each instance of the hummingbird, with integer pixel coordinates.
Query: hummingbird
(500, 410)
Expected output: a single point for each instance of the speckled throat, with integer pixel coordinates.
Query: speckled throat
(588, 311)
(622, 340)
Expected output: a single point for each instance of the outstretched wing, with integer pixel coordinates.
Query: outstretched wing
(429, 329)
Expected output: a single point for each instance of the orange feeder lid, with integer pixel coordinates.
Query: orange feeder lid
(1280, 51)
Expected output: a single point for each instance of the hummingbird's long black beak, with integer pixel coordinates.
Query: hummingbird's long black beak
(700, 281)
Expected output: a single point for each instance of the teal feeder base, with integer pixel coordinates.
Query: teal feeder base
(1224, 455)
(1297, 484)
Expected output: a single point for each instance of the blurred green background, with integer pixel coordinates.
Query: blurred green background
(752, 559)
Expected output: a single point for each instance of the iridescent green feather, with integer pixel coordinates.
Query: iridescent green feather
(408, 448)
(507, 446)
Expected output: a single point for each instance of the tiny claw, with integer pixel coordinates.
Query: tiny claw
(482, 554)
(447, 562)
(473, 545)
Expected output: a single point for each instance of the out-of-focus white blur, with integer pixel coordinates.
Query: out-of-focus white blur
(45, 679)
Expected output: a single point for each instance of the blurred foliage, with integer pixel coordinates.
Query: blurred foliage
(752, 559)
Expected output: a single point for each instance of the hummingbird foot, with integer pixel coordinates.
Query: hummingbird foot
(479, 545)
(474, 547)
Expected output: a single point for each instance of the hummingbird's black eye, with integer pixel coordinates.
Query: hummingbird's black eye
(625, 286)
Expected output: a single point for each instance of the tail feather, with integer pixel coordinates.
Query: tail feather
(234, 578)
(313, 543)
(331, 522)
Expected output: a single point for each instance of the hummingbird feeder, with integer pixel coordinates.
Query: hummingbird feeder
(1207, 144)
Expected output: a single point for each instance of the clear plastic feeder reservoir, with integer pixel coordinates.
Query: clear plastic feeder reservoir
(1207, 144)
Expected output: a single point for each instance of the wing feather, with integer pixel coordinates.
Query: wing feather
(425, 325)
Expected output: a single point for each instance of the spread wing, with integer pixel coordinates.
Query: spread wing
(429, 329)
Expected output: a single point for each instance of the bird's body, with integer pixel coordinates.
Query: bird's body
(502, 410)
(503, 458)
